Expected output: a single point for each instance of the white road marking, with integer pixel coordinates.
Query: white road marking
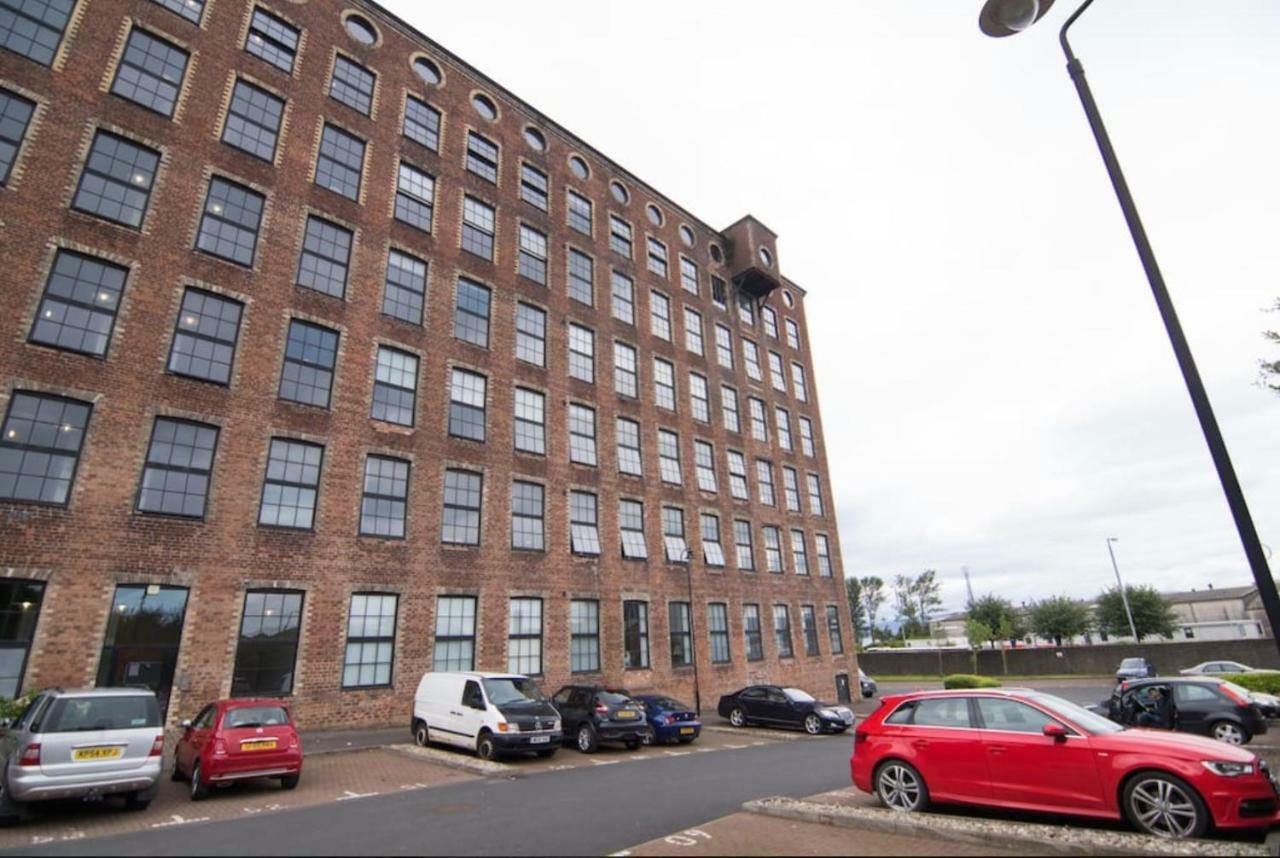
(688, 837)
(348, 795)
(604, 762)
(177, 819)
(677, 753)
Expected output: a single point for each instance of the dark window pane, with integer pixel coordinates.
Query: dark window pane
(150, 72)
(229, 225)
(471, 314)
(477, 228)
(340, 163)
(15, 113)
(406, 287)
(326, 252)
(205, 340)
(415, 197)
(253, 121)
(189, 9)
(34, 28)
(422, 123)
(352, 84)
(395, 386)
(116, 181)
(482, 157)
(292, 481)
(461, 519)
(385, 496)
(40, 447)
(309, 357)
(268, 644)
(20, 602)
(467, 405)
(371, 635)
(78, 310)
(176, 478)
(272, 39)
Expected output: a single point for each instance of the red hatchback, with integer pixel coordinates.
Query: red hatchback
(233, 740)
(1023, 750)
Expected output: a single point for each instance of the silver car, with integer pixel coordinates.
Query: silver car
(83, 743)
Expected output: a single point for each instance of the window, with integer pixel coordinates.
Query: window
(669, 456)
(660, 316)
(477, 228)
(175, 479)
(484, 106)
(806, 437)
(782, 418)
(751, 632)
(292, 483)
(371, 641)
(229, 224)
(340, 162)
(533, 187)
(764, 480)
(631, 528)
(791, 488)
(267, 650)
(719, 294)
(782, 630)
(798, 382)
(624, 298)
(352, 84)
(619, 236)
(582, 435)
(1014, 717)
(272, 40)
(524, 637)
(704, 464)
(78, 310)
(405, 290)
(681, 634)
(584, 532)
(531, 334)
(712, 550)
(738, 476)
(635, 636)
(579, 212)
(462, 497)
(309, 357)
(584, 635)
(326, 254)
(689, 276)
(531, 261)
(455, 645)
(815, 495)
(824, 554)
(770, 321)
(466, 405)
(619, 192)
(117, 178)
(582, 344)
(746, 309)
(482, 157)
(676, 549)
(729, 408)
(793, 333)
(415, 197)
(699, 398)
(751, 355)
(654, 215)
(724, 346)
(527, 514)
(384, 498)
(664, 384)
(629, 461)
(625, 377)
(421, 123)
(742, 544)
(360, 30)
(204, 340)
(799, 552)
(471, 313)
(776, 375)
(809, 624)
(395, 386)
(530, 421)
(150, 72)
(693, 330)
(834, 638)
(759, 427)
(33, 28)
(253, 121)
(581, 277)
(535, 138)
(20, 602)
(718, 630)
(773, 549)
(15, 113)
(657, 257)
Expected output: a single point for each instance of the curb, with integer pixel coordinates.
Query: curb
(452, 760)
(776, 735)
(983, 832)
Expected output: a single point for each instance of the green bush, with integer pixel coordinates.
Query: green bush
(969, 680)
(11, 709)
(1267, 683)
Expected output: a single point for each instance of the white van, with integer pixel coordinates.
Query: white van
(490, 713)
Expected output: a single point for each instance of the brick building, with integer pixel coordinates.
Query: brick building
(327, 361)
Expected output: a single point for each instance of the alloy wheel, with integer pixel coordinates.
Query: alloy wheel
(899, 787)
(737, 718)
(1163, 808)
(1225, 731)
(812, 725)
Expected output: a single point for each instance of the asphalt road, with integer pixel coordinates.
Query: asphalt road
(591, 811)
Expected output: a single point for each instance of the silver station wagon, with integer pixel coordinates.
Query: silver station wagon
(82, 743)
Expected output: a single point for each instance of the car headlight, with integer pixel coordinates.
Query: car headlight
(1228, 769)
(556, 724)
(828, 713)
(508, 727)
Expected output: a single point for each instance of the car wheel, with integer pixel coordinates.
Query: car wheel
(1229, 732)
(421, 735)
(486, 748)
(1165, 806)
(199, 789)
(900, 787)
(547, 754)
(812, 724)
(649, 738)
(587, 740)
(290, 781)
(737, 717)
(176, 775)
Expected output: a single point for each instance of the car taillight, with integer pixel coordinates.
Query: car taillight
(1234, 696)
(219, 748)
(670, 719)
(293, 740)
(157, 747)
(30, 755)
(602, 709)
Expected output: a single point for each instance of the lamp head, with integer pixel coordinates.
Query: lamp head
(1001, 18)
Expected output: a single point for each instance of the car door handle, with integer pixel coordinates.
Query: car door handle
(920, 743)
(451, 712)
(996, 749)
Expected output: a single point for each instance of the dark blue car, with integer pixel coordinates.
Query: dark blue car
(669, 720)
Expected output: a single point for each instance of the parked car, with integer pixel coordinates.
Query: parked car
(236, 740)
(82, 743)
(1268, 704)
(593, 714)
(774, 706)
(866, 684)
(994, 747)
(669, 720)
(490, 713)
(1211, 707)
(1218, 667)
(1134, 668)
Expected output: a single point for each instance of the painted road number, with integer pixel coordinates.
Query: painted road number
(687, 838)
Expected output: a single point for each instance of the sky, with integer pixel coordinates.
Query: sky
(997, 389)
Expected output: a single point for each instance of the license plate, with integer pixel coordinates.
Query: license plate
(624, 715)
(539, 740)
(82, 754)
(686, 731)
(259, 745)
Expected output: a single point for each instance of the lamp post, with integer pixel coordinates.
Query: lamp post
(693, 642)
(1124, 597)
(1001, 18)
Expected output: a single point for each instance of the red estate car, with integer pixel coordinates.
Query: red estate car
(1023, 750)
(234, 740)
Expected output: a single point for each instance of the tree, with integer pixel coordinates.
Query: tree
(1152, 613)
(1059, 617)
(928, 592)
(997, 615)
(1270, 369)
(853, 591)
(978, 633)
(872, 598)
(904, 596)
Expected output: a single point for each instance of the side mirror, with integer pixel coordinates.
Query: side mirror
(6, 723)
(476, 702)
(1055, 731)
(186, 724)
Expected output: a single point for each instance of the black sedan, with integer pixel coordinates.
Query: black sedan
(1211, 707)
(775, 706)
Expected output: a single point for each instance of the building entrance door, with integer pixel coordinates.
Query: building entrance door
(143, 635)
(843, 694)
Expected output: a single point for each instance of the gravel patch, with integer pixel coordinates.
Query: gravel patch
(454, 760)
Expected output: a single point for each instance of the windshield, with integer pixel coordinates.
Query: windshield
(255, 716)
(798, 696)
(512, 690)
(80, 714)
(1131, 662)
(1090, 722)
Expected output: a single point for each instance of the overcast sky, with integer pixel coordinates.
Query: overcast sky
(997, 388)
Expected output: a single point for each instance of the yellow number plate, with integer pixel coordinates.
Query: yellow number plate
(82, 754)
(261, 745)
(624, 714)
(686, 730)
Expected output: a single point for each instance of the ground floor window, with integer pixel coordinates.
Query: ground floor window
(584, 633)
(455, 647)
(782, 630)
(718, 629)
(833, 630)
(681, 634)
(20, 602)
(268, 648)
(524, 636)
(371, 641)
(635, 618)
(751, 632)
(809, 622)
(144, 632)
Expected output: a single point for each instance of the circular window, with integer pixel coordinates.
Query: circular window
(686, 235)
(534, 138)
(787, 299)
(716, 254)
(619, 192)
(766, 257)
(578, 167)
(427, 70)
(655, 216)
(360, 30)
(484, 106)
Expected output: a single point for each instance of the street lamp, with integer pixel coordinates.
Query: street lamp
(693, 641)
(1124, 597)
(1005, 18)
